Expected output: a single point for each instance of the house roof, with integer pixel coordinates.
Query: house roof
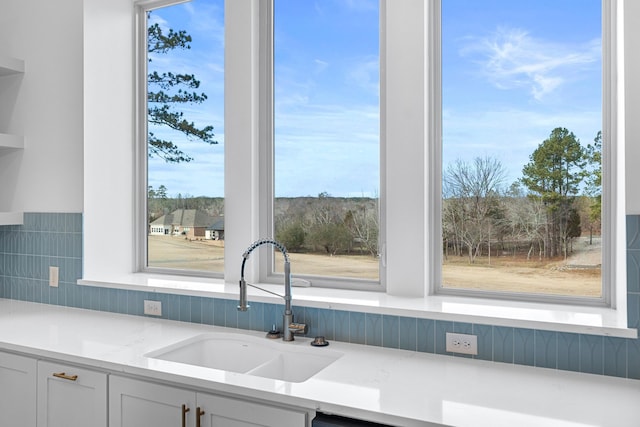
(218, 225)
(187, 218)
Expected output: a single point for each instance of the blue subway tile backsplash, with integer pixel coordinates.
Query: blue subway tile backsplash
(55, 239)
(408, 333)
(568, 352)
(546, 349)
(426, 335)
(502, 344)
(633, 232)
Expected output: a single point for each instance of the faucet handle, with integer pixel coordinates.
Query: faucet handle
(298, 328)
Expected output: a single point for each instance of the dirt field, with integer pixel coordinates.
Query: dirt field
(208, 255)
(579, 275)
(177, 252)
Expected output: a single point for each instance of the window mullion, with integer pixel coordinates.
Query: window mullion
(242, 171)
(404, 92)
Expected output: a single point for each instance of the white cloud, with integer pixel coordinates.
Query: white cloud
(510, 134)
(320, 65)
(365, 74)
(206, 20)
(154, 18)
(511, 58)
(331, 148)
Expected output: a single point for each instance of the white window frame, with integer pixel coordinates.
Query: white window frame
(142, 156)
(268, 268)
(410, 176)
(406, 83)
(613, 209)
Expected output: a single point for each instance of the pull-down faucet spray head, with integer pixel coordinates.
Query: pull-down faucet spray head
(243, 305)
(290, 328)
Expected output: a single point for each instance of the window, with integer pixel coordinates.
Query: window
(522, 136)
(410, 131)
(327, 139)
(185, 136)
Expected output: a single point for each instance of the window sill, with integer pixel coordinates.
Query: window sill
(551, 317)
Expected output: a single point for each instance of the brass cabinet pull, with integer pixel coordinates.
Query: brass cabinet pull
(65, 376)
(199, 414)
(184, 415)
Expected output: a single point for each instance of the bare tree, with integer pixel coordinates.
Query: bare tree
(526, 219)
(473, 201)
(364, 224)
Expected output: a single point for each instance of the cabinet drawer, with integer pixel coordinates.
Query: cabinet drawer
(69, 396)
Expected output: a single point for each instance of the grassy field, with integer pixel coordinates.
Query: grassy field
(579, 275)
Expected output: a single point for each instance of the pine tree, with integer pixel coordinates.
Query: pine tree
(555, 171)
(166, 91)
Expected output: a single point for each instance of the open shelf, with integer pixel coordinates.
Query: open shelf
(11, 218)
(10, 65)
(11, 141)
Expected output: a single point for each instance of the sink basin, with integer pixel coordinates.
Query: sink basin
(249, 355)
(227, 353)
(293, 367)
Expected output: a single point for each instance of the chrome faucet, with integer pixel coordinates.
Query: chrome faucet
(289, 327)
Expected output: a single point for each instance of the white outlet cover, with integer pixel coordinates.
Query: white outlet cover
(462, 343)
(153, 308)
(54, 274)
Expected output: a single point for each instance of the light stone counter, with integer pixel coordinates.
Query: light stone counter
(396, 387)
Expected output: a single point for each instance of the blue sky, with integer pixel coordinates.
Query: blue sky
(513, 71)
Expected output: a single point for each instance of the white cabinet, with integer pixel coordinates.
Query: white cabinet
(135, 403)
(17, 391)
(224, 411)
(10, 69)
(69, 396)
(40, 393)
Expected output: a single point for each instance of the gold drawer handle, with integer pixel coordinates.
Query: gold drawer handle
(65, 376)
(184, 415)
(199, 414)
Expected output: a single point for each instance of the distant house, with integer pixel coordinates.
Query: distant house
(191, 223)
(216, 230)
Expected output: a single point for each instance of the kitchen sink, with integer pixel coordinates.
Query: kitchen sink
(225, 352)
(249, 355)
(294, 367)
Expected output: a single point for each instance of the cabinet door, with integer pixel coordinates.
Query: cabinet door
(227, 412)
(17, 391)
(71, 397)
(134, 403)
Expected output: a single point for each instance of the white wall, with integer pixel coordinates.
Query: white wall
(46, 106)
(109, 69)
(48, 35)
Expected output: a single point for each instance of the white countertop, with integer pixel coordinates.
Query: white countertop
(397, 387)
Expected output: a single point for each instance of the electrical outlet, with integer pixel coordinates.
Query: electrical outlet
(54, 273)
(153, 308)
(462, 343)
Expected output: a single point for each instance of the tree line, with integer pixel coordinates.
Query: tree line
(558, 195)
(326, 224)
(543, 211)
